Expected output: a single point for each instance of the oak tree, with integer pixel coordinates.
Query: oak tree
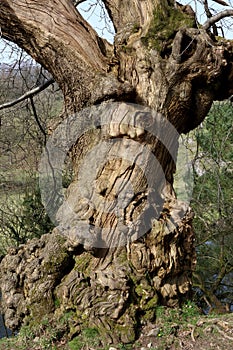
(172, 68)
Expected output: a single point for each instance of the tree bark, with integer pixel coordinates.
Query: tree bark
(56, 36)
(159, 60)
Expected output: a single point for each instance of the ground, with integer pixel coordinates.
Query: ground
(183, 328)
(206, 334)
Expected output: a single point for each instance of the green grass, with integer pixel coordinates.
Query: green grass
(89, 336)
(169, 319)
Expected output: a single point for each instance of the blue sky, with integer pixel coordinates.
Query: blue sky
(94, 14)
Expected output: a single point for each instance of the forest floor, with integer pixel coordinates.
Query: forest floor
(174, 329)
(206, 333)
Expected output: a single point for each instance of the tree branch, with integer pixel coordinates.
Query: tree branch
(41, 22)
(37, 119)
(28, 94)
(209, 15)
(57, 36)
(211, 21)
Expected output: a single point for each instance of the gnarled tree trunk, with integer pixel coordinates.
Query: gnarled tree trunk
(144, 255)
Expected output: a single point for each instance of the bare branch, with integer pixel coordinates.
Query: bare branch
(209, 15)
(78, 2)
(211, 21)
(37, 119)
(28, 94)
(221, 2)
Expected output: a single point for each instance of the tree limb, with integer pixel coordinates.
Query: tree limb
(39, 23)
(56, 35)
(211, 21)
(28, 94)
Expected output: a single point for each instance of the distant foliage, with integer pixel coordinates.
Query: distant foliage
(22, 217)
(36, 221)
(212, 203)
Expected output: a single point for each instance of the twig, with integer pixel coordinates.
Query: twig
(28, 94)
(37, 119)
(209, 15)
(193, 327)
(223, 333)
(211, 21)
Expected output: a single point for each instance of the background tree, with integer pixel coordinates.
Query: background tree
(212, 204)
(163, 59)
(23, 134)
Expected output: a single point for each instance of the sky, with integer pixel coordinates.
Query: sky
(97, 18)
